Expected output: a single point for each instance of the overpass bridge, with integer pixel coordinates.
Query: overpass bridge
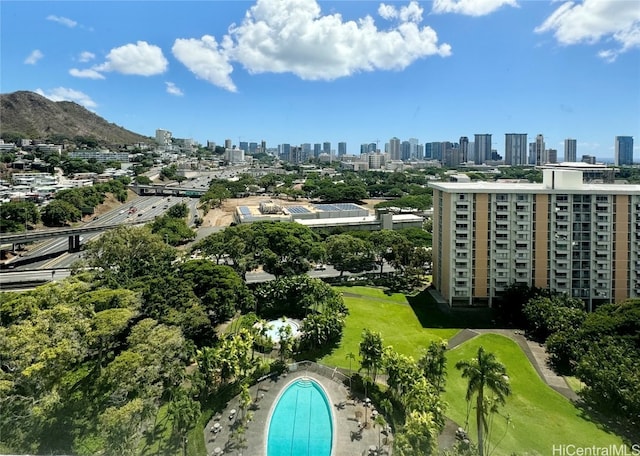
(167, 190)
(73, 234)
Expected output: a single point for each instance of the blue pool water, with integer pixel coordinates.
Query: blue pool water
(301, 423)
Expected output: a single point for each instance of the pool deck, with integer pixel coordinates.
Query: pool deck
(349, 440)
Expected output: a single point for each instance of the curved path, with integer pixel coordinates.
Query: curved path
(534, 351)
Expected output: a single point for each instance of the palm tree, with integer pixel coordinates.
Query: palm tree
(351, 357)
(380, 421)
(482, 372)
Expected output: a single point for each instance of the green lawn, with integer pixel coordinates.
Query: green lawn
(540, 417)
(391, 315)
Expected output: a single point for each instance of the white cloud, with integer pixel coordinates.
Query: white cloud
(62, 20)
(66, 94)
(33, 58)
(173, 89)
(142, 59)
(593, 21)
(470, 7)
(204, 58)
(410, 13)
(86, 56)
(87, 73)
(387, 11)
(292, 36)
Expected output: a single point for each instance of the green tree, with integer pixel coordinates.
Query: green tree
(383, 242)
(183, 412)
(285, 248)
(371, 352)
(348, 253)
(547, 315)
(17, 216)
(214, 197)
(351, 357)
(215, 245)
(178, 211)
(433, 364)
(121, 428)
(220, 288)
(141, 179)
(485, 374)
(173, 230)
(418, 436)
(125, 254)
(58, 213)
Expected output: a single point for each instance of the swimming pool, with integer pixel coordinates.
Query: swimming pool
(273, 332)
(301, 423)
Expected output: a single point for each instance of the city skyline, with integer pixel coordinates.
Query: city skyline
(301, 71)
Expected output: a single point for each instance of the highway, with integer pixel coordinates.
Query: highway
(23, 280)
(53, 253)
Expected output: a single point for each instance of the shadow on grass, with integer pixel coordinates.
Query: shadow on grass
(433, 315)
(315, 354)
(609, 422)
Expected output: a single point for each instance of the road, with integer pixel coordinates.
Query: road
(30, 279)
(53, 253)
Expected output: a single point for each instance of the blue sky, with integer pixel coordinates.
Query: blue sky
(296, 71)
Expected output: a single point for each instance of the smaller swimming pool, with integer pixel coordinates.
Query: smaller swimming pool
(301, 423)
(275, 325)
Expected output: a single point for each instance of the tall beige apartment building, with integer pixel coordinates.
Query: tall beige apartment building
(562, 234)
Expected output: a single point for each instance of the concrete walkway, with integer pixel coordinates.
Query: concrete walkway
(534, 351)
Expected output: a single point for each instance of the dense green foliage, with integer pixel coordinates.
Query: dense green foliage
(599, 348)
(17, 216)
(59, 212)
(602, 349)
(172, 226)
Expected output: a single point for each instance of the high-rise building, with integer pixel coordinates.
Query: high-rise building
(163, 137)
(317, 150)
(342, 148)
(227, 144)
(452, 156)
(253, 147)
(306, 151)
(464, 149)
(394, 149)
(482, 148)
(428, 151)
(539, 151)
(295, 155)
(570, 150)
(413, 148)
(552, 155)
(515, 149)
(624, 150)
(285, 151)
(263, 146)
(488, 236)
(405, 151)
(436, 150)
(244, 145)
(326, 148)
(420, 151)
